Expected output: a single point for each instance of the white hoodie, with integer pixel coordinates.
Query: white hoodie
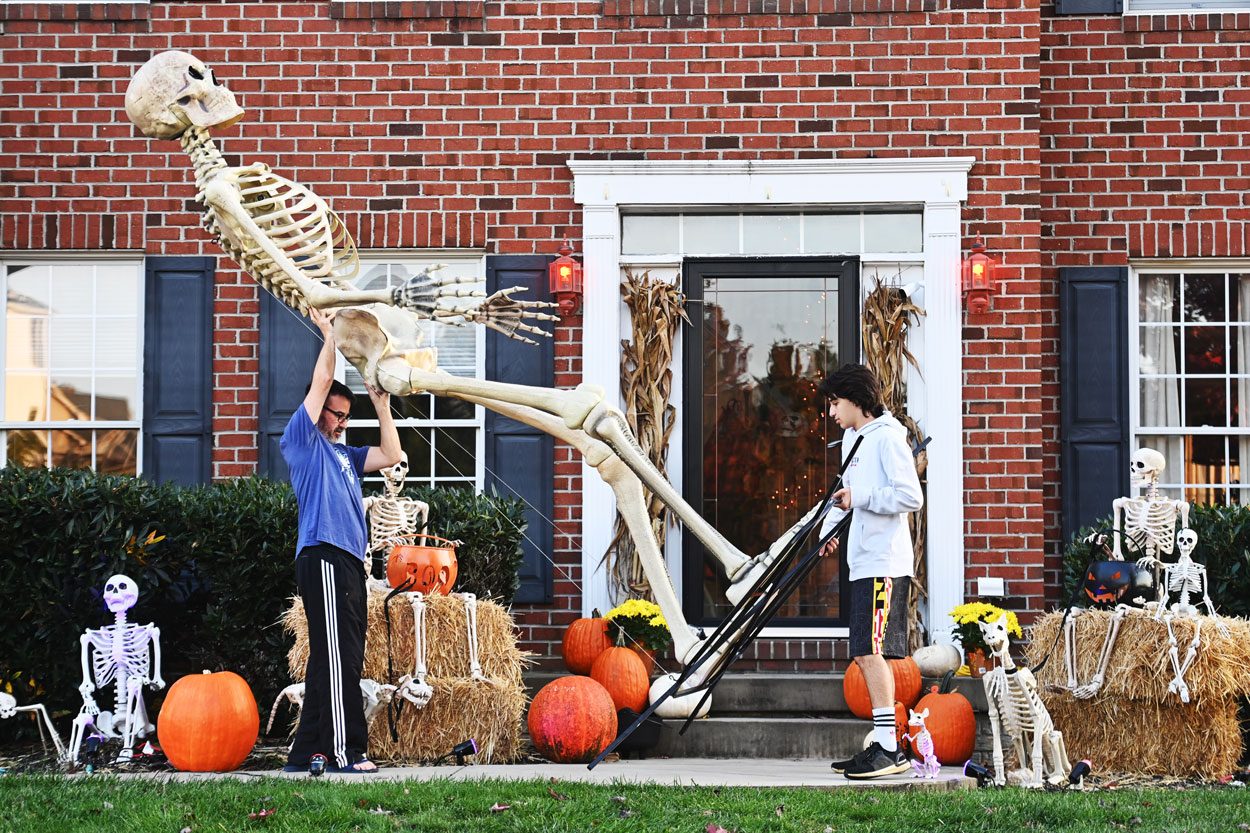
(884, 488)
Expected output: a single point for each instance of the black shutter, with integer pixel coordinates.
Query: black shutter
(520, 459)
(178, 370)
(289, 346)
(1094, 390)
(1089, 7)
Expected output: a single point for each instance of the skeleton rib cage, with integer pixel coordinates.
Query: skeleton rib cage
(120, 647)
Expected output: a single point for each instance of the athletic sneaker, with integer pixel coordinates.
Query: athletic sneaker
(840, 766)
(877, 762)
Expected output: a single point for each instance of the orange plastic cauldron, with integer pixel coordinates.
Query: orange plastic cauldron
(423, 568)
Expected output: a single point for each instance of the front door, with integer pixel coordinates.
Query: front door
(757, 432)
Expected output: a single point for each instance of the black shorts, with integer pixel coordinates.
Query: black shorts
(879, 616)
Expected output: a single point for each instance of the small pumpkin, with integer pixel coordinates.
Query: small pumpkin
(209, 722)
(951, 722)
(622, 673)
(936, 660)
(584, 641)
(906, 686)
(680, 706)
(571, 720)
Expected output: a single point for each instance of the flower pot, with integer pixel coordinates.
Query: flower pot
(979, 663)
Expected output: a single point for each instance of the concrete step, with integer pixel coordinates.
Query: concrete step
(763, 737)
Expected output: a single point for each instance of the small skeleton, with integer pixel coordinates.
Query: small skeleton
(374, 694)
(392, 518)
(118, 652)
(1150, 522)
(1015, 707)
(927, 765)
(10, 708)
(1185, 578)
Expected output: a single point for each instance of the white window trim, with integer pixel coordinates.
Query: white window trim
(85, 258)
(603, 188)
(1183, 9)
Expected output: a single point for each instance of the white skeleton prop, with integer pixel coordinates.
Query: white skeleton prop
(413, 687)
(1016, 709)
(394, 519)
(1185, 578)
(470, 627)
(118, 652)
(10, 708)
(374, 694)
(290, 242)
(1149, 521)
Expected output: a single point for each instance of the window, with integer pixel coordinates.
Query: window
(443, 437)
(1186, 6)
(1192, 401)
(776, 234)
(72, 364)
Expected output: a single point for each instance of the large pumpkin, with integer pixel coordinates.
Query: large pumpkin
(950, 722)
(209, 722)
(584, 641)
(571, 720)
(622, 673)
(906, 686)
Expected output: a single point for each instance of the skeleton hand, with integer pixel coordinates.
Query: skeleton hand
(86, 690)
(1148, 562)
(421, 293)
(157, 684)
(505, 315)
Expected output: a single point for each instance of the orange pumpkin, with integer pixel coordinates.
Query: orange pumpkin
(951, 723)
(571, 720)
(423, 569)
(584, 641)
(906, 686)
(209, 722)
(622, 673)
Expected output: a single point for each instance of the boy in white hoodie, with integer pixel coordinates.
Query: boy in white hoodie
(879, 483)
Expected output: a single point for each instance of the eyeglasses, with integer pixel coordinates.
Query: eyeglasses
(339, 415)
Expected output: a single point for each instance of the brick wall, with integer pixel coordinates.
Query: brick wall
(1144, 155)
(452, 132)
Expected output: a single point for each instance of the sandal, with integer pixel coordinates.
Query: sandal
(354, 768)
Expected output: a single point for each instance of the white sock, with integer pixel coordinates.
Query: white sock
(883, 729)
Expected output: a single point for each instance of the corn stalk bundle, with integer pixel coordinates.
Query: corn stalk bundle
(888, 315)
(656, 307)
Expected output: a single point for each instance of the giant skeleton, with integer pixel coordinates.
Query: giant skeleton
(118, 653)
(289, 240)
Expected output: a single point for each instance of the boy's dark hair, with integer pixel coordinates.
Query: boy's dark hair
(857, 384)
(337, 388)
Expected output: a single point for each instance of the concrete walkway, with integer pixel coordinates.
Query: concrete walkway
(702, 772)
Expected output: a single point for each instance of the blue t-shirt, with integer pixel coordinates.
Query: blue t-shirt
(326, 478)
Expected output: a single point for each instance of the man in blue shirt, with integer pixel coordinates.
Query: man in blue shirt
(330, 560)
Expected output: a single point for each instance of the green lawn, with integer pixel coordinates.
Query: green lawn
(40, 803)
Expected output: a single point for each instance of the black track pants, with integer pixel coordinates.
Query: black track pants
(331, 582)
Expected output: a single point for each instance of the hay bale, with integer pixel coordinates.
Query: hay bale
(1145, 737)
(1139, 666)
(1134, 724)
(461, 708)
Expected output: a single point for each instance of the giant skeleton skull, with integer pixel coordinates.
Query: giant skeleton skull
(1146, 466)
(174, 91)
(120, 593)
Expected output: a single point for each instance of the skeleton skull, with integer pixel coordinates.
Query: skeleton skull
(175, 90)
(1186, 541)
(395, 475)
(1145, 466)
(994, 633)
(120, 593)
(8, 705)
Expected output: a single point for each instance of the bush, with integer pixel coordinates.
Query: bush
(213, 565)
(1223, 548)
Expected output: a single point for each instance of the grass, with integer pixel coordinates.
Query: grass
(32, 804)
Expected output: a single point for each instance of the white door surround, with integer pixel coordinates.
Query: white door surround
(603, 188)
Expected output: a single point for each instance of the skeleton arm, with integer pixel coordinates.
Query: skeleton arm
(88, 702)
(1117, 506)
(156, 681)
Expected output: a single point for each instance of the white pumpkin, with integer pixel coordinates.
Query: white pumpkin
(936, 660)
(678, 707)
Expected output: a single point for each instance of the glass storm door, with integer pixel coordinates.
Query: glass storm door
(766, 332)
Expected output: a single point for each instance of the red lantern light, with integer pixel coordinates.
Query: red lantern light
(564, 279)
(978, 282)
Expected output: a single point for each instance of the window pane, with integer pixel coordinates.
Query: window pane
(453, 452)
(770, 234)
(1174, 449)
(831, 233)
(115, 397)
(711, 234)
(72, 449)
(1204, 298)
(416, 442)
(28, 290)
(892, 233)
(26, 344)
(1204, 350)
(1206, 402)
(117, 290)
(1239, 348)
(71, 343)
(447, 408)
(28, 448)
(1160, 403)
(1158, 349)
(416, 406)
(71, 398)
(117, 343)
(649, 234)
(73, 289)
(116, 451)
(1159, 298)
(25, 397)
